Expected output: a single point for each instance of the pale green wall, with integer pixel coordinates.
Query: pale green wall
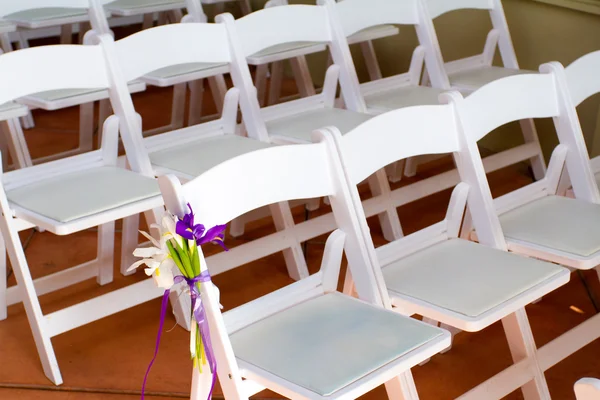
(540, 33)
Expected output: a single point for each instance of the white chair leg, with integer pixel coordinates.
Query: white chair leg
(275, 82)
(410, 167)
(3, 283)
(35, 316)
(313, 204)
(260, 81)
(129, 242)
(86, 127)
(196, 100)
(538, 165)
(17, 145)
(178, 106)
(402, 387)
(373, 69)
(522, 345)
(237, 227)
(304, 81)
(389, 220)
(395, 171)
(106, 250)
(294, 257)
(218, 88)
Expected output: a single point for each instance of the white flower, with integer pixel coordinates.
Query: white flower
(157, 260)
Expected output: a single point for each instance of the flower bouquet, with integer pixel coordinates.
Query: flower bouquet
(178, 247)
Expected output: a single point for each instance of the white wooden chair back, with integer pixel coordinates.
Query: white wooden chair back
(248, 182)
(150, 50)
(587, 389)
(499, 36)
(532, 96)
(48, 68)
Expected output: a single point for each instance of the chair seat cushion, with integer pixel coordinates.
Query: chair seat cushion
(61, 98)
(373, 32)
(182, 69)
(308, 47)
(403, 97)
(465, 277)
(47, 14)
(557, 223)
(329, 342)
(134, 4)
(299, 127)
(475, 78)
(193, 159)
(84, 193)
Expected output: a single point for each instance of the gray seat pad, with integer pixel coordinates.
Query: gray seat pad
(556, 222)
(193, 159)
(83, 193)
(465, 277)
(329, 342)
(301, 126)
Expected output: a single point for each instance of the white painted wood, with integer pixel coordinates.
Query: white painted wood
(587, 389)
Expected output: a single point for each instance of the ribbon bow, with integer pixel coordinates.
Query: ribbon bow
(200, 317)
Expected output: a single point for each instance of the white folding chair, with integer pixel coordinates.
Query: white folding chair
(68, 196)
(304, 341)
(587, 389)
(292, 122)
(469, 74)
(433, 272)
(33, 14)
(180, 76)
(191, 151)
(535, 221)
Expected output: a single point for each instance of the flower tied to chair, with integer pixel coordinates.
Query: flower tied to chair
(181, 249)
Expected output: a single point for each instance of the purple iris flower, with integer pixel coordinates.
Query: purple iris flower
(185, 228)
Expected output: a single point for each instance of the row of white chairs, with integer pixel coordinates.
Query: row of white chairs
(295, 341)
(187, 153)
(31, 14)
(289, 122)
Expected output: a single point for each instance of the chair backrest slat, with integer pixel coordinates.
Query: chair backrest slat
(439, 7)
(510, 99)
(397, 135)
(46, 68)
(260, 178)
(285, 24)
(356, 15)
(582, 77)
(170, 45)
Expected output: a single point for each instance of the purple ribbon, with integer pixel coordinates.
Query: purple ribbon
(199, 316)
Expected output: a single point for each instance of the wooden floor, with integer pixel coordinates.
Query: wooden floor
(107, 359)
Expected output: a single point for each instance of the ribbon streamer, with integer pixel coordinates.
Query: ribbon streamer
(200, 317)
